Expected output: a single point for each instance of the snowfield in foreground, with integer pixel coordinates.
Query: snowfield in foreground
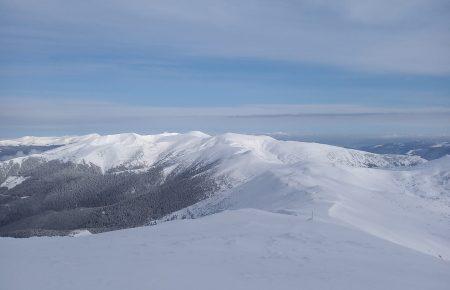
(240, 249)
(285, 215)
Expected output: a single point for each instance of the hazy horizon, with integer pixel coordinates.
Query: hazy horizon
(302, 67)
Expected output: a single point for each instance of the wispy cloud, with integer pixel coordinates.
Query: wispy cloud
(216, 53)
(410, 37)
(23, 108)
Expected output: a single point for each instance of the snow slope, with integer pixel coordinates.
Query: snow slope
(242, 249)
(290, 214)
(390, 204)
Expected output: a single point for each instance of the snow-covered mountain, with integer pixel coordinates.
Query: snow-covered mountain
(47, 141)
(272, 189)
(131, 149)
(427, 149)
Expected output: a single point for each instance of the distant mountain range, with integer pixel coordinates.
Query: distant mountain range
(429, 148)
(94, 183)
(426, 149)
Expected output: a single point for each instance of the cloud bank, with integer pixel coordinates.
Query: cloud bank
(52, 117)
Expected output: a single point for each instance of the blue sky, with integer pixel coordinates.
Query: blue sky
(387, 57)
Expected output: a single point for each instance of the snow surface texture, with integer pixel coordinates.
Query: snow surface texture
(241, 249)
(290, 215)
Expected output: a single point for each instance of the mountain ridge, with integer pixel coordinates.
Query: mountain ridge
(402, 199)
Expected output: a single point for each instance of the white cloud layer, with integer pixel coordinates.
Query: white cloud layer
(51, 117)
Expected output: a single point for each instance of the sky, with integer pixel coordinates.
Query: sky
(304, 67)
